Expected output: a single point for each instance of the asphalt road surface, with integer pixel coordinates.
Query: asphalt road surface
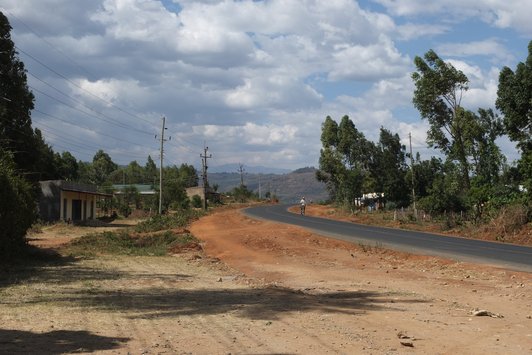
(496, 254)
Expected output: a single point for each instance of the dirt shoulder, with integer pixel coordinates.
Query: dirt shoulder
(258, 288)
(367, 297)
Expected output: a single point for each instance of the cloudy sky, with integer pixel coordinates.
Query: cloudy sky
(253, 80)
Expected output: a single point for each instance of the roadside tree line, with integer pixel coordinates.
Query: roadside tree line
(472, 175)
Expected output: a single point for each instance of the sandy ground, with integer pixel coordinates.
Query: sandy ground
(264, 288)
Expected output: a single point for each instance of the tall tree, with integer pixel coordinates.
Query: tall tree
(188, 175)
(150, 171)
(102, 166)
(514, 100)
(344, 160)
(438, 96)
(17, 207)
(16, 103)
(390, 169)
(486, 155)
(68, 166)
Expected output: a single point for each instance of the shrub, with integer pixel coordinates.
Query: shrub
(123, 243)
(17, 208)
(196, 201)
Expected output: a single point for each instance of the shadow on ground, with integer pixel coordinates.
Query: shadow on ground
(55, 342)
(255, 303)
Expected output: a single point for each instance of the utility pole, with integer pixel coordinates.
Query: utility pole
(412, 167)
(204, 158)
(260, 192)
(241, 170)
(161, 168)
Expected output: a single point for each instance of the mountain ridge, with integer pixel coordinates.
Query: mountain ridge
(288, 187)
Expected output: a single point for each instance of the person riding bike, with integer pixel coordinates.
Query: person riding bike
(302, 205)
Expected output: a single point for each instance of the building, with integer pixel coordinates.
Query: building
(142, 189)
(212, 196)
(68, 201)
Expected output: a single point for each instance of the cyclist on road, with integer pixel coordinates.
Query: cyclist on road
(302, 204)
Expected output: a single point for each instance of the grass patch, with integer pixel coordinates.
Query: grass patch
(124, 243)
(161, 222)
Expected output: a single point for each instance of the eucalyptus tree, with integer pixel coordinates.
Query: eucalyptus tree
(514, 100)
(101, 168)
(16, 103)
(344, 160)
(438, 96)
(390, 168)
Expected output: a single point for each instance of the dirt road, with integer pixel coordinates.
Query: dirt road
(262, 288)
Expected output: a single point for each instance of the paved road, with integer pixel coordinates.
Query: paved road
(497, 254)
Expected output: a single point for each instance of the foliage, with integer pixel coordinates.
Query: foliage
(102, 166)
(445, 194)
(390, 169)
(123, 243)
(350, 165)
(242, 193)
(16, 103)
(196, 201)
(174, 195)
(17, 207)
(438, 96)
(514, 100)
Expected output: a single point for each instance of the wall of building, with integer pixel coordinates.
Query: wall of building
(86, 205)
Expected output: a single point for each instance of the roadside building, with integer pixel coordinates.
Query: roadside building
(68, 201)
(212, 196)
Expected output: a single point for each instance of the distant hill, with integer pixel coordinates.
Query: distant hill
(230, 168)
(288, 187)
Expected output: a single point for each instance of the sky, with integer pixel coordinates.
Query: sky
(251, 80)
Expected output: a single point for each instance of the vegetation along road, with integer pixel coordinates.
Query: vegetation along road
(498, 254)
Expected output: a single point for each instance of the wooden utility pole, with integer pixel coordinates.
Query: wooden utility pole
(413, 181)
(161, 169)
(204, 158)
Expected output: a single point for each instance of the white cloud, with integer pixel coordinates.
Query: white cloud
(490, 47)
(411, 31)
(379, 60)
(500, 13)
(255, 79)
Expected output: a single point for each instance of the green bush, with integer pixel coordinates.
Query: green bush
(17, 208)
(196, 201)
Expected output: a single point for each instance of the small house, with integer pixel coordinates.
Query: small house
(68, 201)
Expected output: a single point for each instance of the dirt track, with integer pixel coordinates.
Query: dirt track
(277, 289)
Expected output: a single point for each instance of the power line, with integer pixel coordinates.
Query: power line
(81, 145)
(79, 87)
(89, 129)
(109, 119)
(48, 42)
(118, 124)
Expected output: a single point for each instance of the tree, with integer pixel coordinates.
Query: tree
(135, 173)
(188, 175)
(390, 168)
(438, 96)
(150, 171)
(16, 103)
(514, 100)
(67, 165)
(102, 166)
(344, 160)
(17, 207)
(486, 155)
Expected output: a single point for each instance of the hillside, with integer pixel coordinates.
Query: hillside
(287, 187)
